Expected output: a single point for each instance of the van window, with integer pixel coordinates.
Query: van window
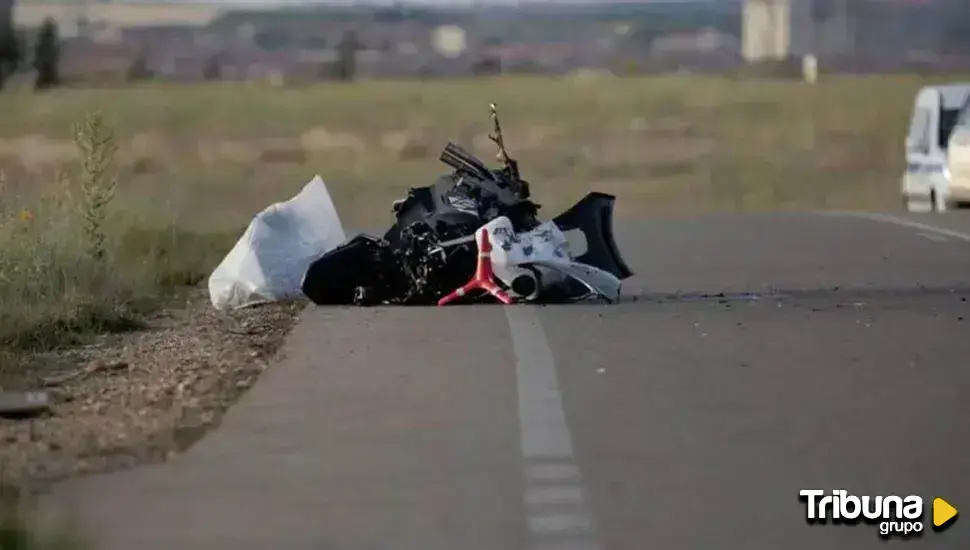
(963, 120)
(948, 121)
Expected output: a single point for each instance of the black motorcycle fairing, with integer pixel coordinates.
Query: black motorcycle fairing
(593, 216)
(362, 269)
(465, 199)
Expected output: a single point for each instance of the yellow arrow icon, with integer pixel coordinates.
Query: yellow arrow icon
(943, 512)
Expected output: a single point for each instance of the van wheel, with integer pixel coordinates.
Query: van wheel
(937, 205)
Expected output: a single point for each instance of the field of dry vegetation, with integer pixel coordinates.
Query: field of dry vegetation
(107, 221)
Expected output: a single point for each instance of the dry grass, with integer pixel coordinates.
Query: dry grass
(193, 164)
(70, 266)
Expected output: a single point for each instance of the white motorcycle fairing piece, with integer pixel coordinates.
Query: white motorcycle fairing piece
(600, 283)
(533, 262)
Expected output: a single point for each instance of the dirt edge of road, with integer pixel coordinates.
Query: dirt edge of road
(140, 397)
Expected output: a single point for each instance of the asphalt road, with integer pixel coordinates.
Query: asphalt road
(753, 357)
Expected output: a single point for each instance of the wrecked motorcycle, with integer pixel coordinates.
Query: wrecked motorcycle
(474, 224)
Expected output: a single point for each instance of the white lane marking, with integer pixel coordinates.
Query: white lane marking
(568, 544)
(552, 472)
(556, 511)
(556, 494)
(559, 524)
(886, 218)
(543, 421)
(934, 237)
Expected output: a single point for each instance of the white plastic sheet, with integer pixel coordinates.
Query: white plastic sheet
(268, 262)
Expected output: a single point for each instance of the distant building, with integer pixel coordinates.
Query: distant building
(73, 17)
(780, 29)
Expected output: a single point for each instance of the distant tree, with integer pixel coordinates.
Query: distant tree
(10, 51)
(346, 65)
(47, 56)
(487, 66)
(10, 55)
(213, 68)
(139, 69)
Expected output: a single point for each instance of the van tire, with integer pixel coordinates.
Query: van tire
(937, 206)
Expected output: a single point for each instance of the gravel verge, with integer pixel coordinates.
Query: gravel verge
(139, 397)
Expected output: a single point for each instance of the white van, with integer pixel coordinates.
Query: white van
(927, 184)
(958, 159)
